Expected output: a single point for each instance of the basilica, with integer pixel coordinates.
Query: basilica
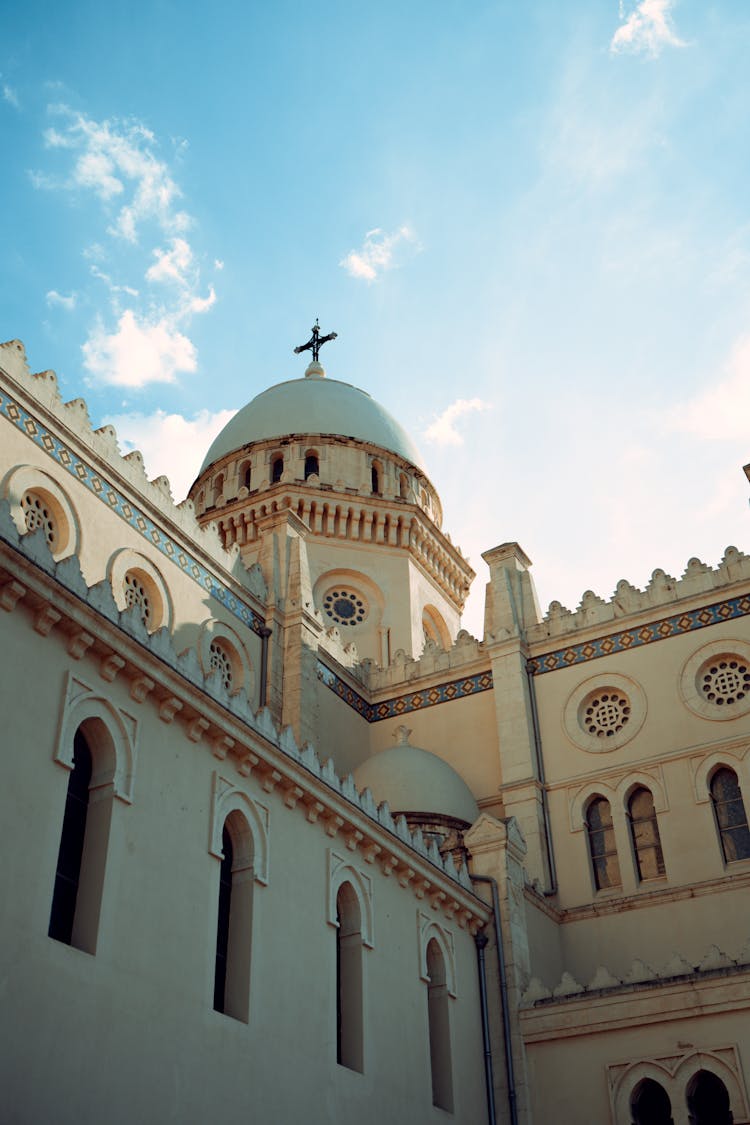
(285, 843)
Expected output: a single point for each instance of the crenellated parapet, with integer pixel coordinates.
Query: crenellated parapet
(33, 401)
(464, 655)
(641, 974)
(661, 592)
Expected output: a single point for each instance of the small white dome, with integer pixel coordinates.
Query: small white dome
(314, 405)
(413, 780)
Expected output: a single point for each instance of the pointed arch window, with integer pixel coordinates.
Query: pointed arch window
(708, 1100)
(650, 1104)
(81, 859)
(644, 832)
(602, 846)
(438, 1017)
(349, 1031)
(234, 920)
(245, 474)
(731, 817)
(277, 468)
(218, 488)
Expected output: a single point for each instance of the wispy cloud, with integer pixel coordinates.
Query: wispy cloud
(443, 430)
(117, 160)
(721, 411)
(647, 29)
(171, 444)
(143, 338)
(377, 253)
(10, 96)
(63, 302)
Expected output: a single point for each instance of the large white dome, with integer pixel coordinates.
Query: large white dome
(314, 405)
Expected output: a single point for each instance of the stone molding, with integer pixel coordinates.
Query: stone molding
(673, 1073)
(81, 701)
(428, 930)
(228, 797)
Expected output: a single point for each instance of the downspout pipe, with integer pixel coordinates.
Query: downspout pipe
(539, 764)
(264, 633)
(503, 981)
(481, 940)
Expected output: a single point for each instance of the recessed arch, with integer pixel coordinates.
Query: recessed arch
(434, 627)
(429, 930)
(112, 735)
(137, 582)
(223, 653)
(228, 799)
(341, 871)
(37, 501)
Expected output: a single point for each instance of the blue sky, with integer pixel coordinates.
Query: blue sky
(529, 224)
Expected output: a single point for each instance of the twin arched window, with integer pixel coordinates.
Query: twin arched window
(644, 836)
(706, 1096)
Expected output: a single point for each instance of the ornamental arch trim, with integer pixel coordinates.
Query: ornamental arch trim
(736, 759)
(127, 562)
(340, 871)
(429, 930)
(213, 632)
(228, 798)
(27, 480)
(111, 732)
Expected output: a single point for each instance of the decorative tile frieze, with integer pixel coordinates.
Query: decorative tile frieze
(409, 701)
(679, 623)
(113, 499)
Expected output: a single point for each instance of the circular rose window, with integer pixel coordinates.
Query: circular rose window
(605, 713)
(345, 607)
(725, 681)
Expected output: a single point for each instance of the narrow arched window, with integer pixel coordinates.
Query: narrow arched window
(708, 1100)
(218, 488)
(731, 818)
(349, 1045)
(438, 1017)
(234, 920)
(644, 832)
(81, 859)
(245, 474)
(277, 468)
(650, 1104)
(602, 846)
(375, 478)
(403, 486)
(312, 468)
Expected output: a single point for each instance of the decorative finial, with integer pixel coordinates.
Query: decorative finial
(401, 734)
(316, 341)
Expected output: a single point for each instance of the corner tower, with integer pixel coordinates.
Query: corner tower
(323, 451)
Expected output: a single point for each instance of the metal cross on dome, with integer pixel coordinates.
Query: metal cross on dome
(316, 341)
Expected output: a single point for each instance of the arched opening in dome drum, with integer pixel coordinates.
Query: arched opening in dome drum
(277, 468)
(375, 473)
(245, 474)
(312, 467)
(403, 486)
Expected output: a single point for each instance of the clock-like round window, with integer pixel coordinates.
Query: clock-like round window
(725, 681)
(605, 713)
(345, 607)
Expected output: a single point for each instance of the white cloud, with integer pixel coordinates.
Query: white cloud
(138, 352)
(376, 255)
(218, 264)
(443, 430)
(117, 159)
(117, 162)
(720, 412)
(172, 445)
(10, 96)
(172, 265)
(55, 298)
(647, 29)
